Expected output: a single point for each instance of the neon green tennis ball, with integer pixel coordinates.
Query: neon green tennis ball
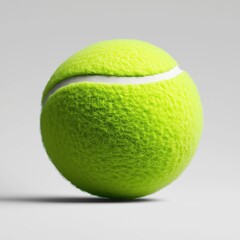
(120, 119)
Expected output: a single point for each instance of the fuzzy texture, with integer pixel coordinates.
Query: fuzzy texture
(122, 141)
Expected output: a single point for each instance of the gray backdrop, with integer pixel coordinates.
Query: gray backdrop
(36, 202)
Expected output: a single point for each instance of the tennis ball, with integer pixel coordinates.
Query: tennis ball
(120, 119)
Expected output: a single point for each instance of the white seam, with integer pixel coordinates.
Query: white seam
(115, 80)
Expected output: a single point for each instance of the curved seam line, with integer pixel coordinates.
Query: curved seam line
(115, 80)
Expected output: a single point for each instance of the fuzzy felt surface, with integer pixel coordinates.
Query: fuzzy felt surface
(122, 141)
(114, 58)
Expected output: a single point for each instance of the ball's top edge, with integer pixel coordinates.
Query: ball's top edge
(120, 57)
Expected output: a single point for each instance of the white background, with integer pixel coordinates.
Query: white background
(36, 202)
